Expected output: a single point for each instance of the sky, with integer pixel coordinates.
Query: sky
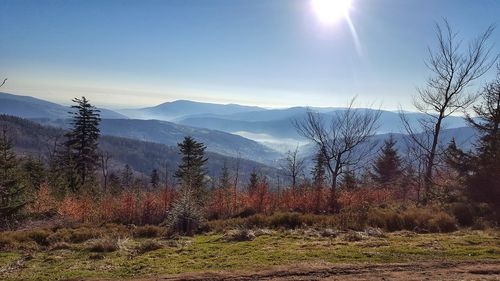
(271, 53)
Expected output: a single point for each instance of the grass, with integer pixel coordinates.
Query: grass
(213, 252)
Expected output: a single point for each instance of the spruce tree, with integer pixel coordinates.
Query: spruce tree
(387, 167)
(12, 193)
(224, 180)
(191, 172)
(483, 180)
(127, 178)
(155, 179)
(349, 180)
(254, 181)
(318, 172)
(82, 141)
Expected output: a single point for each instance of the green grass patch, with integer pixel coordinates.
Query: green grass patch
(213, 252)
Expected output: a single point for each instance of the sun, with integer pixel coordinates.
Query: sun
(331, 11)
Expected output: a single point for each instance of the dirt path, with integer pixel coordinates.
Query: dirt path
(387, 272)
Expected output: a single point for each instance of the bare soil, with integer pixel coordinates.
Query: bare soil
(412, 272)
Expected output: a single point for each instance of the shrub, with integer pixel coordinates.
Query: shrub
(442, 222)
(77, 235)
(103, 245)
(147, 231)
(148, 246)
(286, 220)
(353, 236)
(464, 213)
(239, 234)
(60, 246)
(39, 236)
(387, 219)
(7, 242)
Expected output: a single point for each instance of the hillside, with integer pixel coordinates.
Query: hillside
(33, 138)
(170, 134)
(30, 107)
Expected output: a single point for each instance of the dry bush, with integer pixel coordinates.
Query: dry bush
(353, 236)
(44, 204)
(148, 231)
(103, 245)
(414, 219)
(239, 235)
(78, 235)
(148, 246)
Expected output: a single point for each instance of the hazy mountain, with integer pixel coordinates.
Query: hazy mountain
(30, 107)
(32, 138)
(177, 109)
(465, 137)
(170, 134)
(278, 123)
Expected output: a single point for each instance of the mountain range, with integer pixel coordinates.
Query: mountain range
(247, 132)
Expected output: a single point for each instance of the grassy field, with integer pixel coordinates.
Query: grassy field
(143, 257)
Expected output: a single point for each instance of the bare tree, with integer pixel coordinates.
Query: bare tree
(453, 68)
(4, 80)
(293, 166)
(105, 157)
(341, 139)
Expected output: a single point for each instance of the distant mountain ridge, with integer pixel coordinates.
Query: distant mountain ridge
(169, 111)
(30, 107)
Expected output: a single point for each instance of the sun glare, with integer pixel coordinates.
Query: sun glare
(331, 11)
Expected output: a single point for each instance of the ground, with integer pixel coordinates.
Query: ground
(272, 255)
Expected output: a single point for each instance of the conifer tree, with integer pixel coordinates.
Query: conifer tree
(127, 178)
(191, 172)
(12, 193)
(318, 172)
(349, 180)
(155, 179)
(483, 177)
(82, 141)
(224, 181)
(387, 167)
(254, 181)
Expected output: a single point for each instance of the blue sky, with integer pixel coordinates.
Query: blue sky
(273, 53)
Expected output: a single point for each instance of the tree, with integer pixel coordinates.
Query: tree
(481, 169)
(340, 139)
(254, 181)
(387, 166)
(127, 177)
(155, 179)
(453, 68)
(185, 216)
(115, 186)
(12, 197)
(293, 166)
(349, 180)
(3, 83)
(224, 180)
(191, 171)
(82, 140)
(34, 173)
(318, 172)
(105, 157)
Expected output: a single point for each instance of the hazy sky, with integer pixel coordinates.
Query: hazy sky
(273, 53)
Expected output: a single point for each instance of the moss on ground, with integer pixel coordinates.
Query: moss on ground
(212, 252)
